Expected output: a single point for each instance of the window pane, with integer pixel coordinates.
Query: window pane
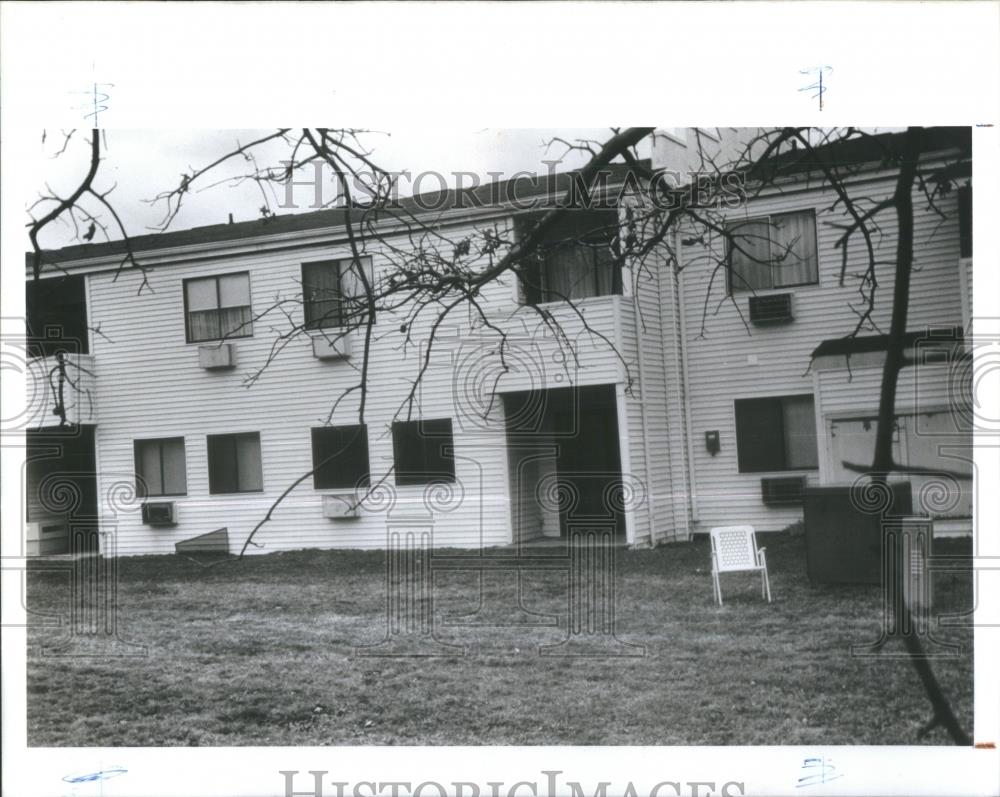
(234, 322)
(204, 325)
(174, 472)
(418, 449)
(250, 476)
(760, 444)
(234, 290)
(793, 249)
(578, 261)
(340, 457)
(222, 464)
(321, 294)
(800, 432)
(570, 273)
(355, 299)
(147, 464)
(750, 253)
(201, 294)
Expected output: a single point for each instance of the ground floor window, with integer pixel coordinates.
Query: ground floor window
(422, 451)
(160, 467)
(776, 433)
(234, 464)
(340, 457)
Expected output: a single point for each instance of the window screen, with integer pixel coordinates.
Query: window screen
(234, 464)
(160, 467)
(419, 451)
(776, 433)
(340, 457)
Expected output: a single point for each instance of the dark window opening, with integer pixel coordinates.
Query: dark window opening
(965, 220)
(218, 307)
(333, 292)
(56, 311)
(776, 251)
(777, 433)
(234, 464)
(576, 260)
(419, 451)
(159, 467)
(340, 457)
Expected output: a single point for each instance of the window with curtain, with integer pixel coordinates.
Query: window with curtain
(159, 467)
(340, 457)
(576, 260)
(776, 433)
(234, 464)
(419, 451)
(333, 292)
(776, 251)
(218, 307)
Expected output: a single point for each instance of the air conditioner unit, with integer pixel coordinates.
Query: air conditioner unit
(340, 507)
(332, 348)
(773, 309)
(45, 539)
(159, 513)
(782, 490)
(217, 356)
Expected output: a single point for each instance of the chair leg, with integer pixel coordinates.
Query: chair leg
(767, 585)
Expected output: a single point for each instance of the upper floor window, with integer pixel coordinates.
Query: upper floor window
(776, 433)
(218, 307)
(420, 451)
(333, 292)
(576, 259)
(777, 251)
(160, 467)
(234, 463)
(340, 457)
(56, 316)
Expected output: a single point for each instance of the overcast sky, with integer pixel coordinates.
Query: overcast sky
(141, 164)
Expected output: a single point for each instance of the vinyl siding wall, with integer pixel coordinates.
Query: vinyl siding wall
(726, 362)
(151, 386)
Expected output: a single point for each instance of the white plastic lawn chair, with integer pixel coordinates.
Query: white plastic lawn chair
(735, 548)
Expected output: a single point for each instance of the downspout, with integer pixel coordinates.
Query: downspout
(685, 384)
(650, 501)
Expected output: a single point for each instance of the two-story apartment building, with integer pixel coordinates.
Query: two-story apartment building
(214, 384)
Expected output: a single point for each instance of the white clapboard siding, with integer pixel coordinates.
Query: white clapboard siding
(726, 362)
(152, 386)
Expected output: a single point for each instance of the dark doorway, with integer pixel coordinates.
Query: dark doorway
(61, 484)
(566, 438)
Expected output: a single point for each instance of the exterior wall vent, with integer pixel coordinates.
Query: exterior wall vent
(782, 490)
(217, 356)
(773, 309)
(340, 507)
(159, 513)
(328, 349)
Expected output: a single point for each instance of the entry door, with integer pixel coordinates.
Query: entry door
(589, 461)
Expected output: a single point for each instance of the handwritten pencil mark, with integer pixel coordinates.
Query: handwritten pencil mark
(817, 87)
(821, 770)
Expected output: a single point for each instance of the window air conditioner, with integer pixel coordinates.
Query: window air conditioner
(783, 490)
(217, 356)
(159, 513)
(329, 349)
(773, 309)
(340, 507)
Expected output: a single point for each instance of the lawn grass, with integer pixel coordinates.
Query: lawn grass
(262, 652)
